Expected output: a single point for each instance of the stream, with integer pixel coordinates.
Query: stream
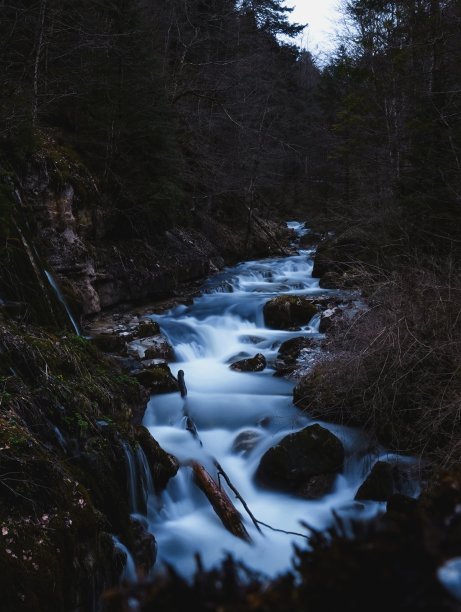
(223, 325)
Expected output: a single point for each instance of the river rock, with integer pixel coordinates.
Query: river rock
(291, 351)
(288, 312)
(329, 319)
(146, 329)
(254, 364)
(385, 480)
(154, 347)
(245, 442)
(304, 463)
(157, 378)
(250, 339)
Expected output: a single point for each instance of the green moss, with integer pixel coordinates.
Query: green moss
(61, 503)
(12, 435)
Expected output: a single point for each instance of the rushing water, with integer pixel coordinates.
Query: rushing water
(129, 567)
(223, 325)
(59, 295)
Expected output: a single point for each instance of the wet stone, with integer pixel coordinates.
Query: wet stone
(158, 379)
(288, 312)
(146, 329)
(304, 463)
(254, 364)
(384, 480)
(246, 441)
(292, 351)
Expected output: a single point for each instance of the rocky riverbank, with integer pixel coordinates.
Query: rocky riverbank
(70, 407)
(402, 559)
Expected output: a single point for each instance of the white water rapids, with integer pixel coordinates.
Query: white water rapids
(223, 325)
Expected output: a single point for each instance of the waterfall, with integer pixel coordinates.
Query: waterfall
(131, 477)
(60, 297)
(145, 479)
(35, 267)
(60, 438)
(140, 484)
(129, 573)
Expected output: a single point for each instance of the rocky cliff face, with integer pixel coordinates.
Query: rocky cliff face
(73, 222)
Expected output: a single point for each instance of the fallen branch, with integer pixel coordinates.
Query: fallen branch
(220, 502)
(222, 473)
(295, 533)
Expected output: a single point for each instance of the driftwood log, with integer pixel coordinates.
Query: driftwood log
(220, 502)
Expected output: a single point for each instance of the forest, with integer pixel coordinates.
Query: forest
(149, 145)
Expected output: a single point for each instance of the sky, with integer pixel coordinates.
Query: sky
(321, 16)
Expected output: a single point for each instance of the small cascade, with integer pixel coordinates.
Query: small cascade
(140, 484)
(226, 407)
(60, 438)
(131, 477)
(60, 297)
(145, 479)
(25, 285)
(128, 573)
(32, 260)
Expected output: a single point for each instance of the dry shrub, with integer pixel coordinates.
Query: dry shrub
(396, 368)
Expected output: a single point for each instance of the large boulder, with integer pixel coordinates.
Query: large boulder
(303, 463)
(254, 364)
(288, 312)
(385, 480)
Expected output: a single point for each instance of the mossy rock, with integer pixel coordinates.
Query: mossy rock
(158, 379)
(288, 312)
(163, 466)
(254, 364)
(298, 462)
(67, 497)
(146, 329)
